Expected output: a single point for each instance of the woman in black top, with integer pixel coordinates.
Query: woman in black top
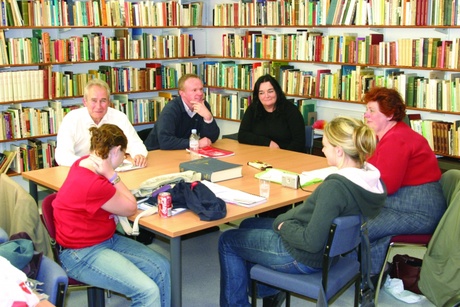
(271, 120)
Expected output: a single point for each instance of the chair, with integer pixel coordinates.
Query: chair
(52, 276)
(416, 244)
(95, 295)
(144, 133)
(331, 282)
(309, 138)
(232, 136)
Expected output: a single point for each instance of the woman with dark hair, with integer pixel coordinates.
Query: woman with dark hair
(409, 169)
(85, 211)
(271, 120)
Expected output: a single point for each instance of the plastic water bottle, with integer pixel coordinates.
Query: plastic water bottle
(194, 145)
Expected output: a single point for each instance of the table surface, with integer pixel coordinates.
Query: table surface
(167, 161)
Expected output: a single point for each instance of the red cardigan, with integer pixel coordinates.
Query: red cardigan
(404, 158)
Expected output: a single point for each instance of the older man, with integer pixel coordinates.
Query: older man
(73, 138)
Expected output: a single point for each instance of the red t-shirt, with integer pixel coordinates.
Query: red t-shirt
(80, 221)
(404, 158)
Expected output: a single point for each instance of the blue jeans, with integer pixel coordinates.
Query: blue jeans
(411, 210)
(124, 266)
(239, 249)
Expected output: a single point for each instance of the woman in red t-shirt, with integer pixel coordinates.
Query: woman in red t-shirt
(85, 211)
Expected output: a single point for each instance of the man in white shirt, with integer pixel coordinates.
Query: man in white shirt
(73, 138)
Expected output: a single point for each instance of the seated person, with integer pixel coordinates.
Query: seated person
(73, 138)
(410, 171)
(294, 241)
(271, 120)
(182, 114)
(85, 213)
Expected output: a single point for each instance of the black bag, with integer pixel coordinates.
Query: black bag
(407, 269)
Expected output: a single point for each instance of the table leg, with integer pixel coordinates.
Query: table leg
(176, 272)
(33, 190)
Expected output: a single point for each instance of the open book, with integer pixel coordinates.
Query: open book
(126, 166)
(305, 179)
(232, 196)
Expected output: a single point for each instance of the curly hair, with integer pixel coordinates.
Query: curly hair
(390, 102)
(105, 138)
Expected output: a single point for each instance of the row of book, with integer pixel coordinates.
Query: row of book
(23, 85)
(305, 45)
(31, 155)
(19, 122)
(124, 45)
(100, 13)
(337, 12)
(436, 91)
(443, 137)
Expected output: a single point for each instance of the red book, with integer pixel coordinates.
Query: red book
(320, 72)
(213, 152)
(157, 74)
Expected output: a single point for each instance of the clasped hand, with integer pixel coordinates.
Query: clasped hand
(200, 108)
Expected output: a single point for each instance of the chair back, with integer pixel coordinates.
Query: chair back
(309, 137)
(346, 235)
(48, 221)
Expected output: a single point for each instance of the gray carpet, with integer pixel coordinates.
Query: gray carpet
(201, 279)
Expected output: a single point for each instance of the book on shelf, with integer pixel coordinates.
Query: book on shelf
(211, 169)
(213, 152)
(6, 159)
(236, 197)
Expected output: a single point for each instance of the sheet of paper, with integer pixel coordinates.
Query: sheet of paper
(232, 196)
(126, 166)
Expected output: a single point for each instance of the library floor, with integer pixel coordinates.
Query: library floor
(201, 279)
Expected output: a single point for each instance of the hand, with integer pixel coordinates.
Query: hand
(102, 166)
(204, 142)
(140, 160)
(200, 108)
(273, 145)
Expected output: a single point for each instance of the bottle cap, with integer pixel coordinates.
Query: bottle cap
(194, 131)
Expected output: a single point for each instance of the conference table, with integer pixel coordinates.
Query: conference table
(162, 162)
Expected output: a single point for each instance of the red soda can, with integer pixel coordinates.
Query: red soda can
(164, 204)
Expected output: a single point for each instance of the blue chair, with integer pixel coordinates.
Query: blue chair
(309, 138)
(95, 295)
(332, 281)
(52, 276)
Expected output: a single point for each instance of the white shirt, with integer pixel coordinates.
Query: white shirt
(74, 138)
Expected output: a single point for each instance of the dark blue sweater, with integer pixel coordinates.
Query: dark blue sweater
(174, 126)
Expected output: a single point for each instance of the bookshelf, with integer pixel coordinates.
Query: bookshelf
(50, 49)
(331, 58)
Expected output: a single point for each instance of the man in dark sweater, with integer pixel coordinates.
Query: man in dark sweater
(182, 114)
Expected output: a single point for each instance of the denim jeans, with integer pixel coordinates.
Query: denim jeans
(124, 266)
(411, 210)
(239, 249)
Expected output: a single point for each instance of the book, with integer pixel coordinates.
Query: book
(6, 158)
(213, 152)
(235, 197)
(214, 170)
(126, 166)
(305, 178)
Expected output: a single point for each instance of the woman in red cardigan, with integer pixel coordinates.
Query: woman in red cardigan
(409, 169)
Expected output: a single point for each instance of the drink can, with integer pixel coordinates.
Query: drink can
(164, 204)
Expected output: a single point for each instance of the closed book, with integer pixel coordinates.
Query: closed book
(7, 160)
(213, 152)
(213, 170)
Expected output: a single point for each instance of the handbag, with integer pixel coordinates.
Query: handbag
(407, 269)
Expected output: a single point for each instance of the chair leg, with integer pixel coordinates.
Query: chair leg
(254, 293)
(96, 297)
(60, 295)
(288, 299)
(382, 271)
